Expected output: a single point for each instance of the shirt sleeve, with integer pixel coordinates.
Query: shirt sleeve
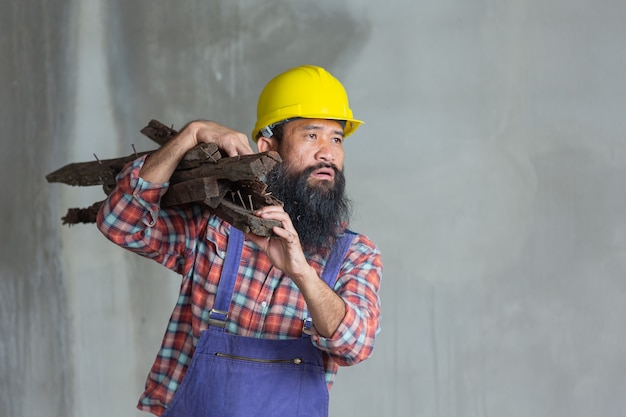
(132, 218)
(358, 285)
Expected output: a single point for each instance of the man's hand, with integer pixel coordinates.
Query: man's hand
(160, 165)
(283, 250)
(230, 141)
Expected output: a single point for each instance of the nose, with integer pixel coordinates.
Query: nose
(324, 152)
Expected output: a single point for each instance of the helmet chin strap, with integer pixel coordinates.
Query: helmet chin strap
(267, 131)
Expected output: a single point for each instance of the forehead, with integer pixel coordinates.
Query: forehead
(332, 126)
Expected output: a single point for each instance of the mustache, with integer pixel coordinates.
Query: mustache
(315, 167)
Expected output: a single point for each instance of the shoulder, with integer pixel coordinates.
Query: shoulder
(363, 251)
(361, 242)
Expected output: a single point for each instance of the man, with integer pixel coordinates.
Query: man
(261, 324)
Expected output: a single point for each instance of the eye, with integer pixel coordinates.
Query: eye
(337, 139)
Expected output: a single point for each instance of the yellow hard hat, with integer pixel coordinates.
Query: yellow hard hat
(308, 92)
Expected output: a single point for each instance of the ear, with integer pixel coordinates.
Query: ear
(267, 144)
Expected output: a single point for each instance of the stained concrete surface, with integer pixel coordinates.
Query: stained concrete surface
(36, 89)
(489, 171)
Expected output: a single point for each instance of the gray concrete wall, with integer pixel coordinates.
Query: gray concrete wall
(36, 94)
(490, 173)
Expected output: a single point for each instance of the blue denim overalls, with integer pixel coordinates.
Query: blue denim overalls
(237, 376)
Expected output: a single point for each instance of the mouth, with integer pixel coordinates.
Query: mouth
(323, 174)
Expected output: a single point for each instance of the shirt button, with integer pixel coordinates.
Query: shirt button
(264, 304)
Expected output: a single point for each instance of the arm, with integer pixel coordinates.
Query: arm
(327, 309)
(358, 285)
(131, 216)
(160, 165)
(345, 320)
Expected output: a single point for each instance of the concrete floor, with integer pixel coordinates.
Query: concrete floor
(490, 172)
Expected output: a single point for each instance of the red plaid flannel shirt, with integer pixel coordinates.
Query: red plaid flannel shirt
(265, 303)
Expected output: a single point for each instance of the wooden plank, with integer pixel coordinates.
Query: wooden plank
(233, 213)
(238, 168)
(231, 187)
(244, 220)
(194, 191)
(158, 132)
(202, 162)
(82, 215)
(99, 172)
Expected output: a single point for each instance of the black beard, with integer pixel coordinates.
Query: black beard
(319, 213)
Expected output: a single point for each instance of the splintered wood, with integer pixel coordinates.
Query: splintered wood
(231, 187)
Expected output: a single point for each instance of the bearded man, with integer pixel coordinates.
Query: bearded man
(261, 324)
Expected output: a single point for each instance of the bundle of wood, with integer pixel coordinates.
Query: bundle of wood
(231, 187)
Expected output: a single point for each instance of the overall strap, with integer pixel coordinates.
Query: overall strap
(336, 257)
(226, 286)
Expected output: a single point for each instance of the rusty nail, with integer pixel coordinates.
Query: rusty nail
(241, 198)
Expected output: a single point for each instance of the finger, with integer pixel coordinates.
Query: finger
(242, 145)
(276, 213)
(232, 142)
(270, 212)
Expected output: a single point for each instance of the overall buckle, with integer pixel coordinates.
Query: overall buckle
(306, 325)
(217, 318)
